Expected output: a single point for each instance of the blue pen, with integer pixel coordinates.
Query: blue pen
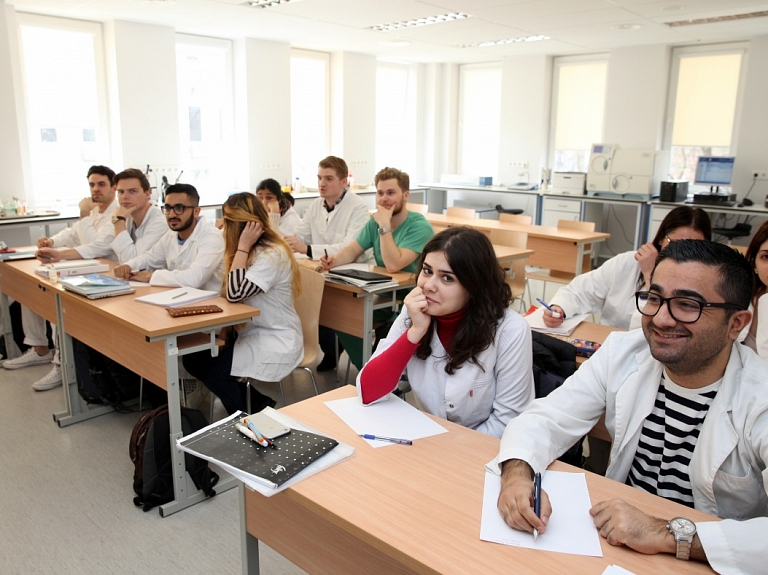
(390, 439)
(546, 305)
(536, 500)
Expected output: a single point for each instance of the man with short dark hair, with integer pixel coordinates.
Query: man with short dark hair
(137, 225)
(686, 406)
(189, 254)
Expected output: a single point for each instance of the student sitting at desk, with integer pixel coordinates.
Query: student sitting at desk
(686, 407)
(397, 237)
(281, 213)
(189, 254)
(610, 289)
(757, 256)
(467, 355)
(88, 238)
(262, 273)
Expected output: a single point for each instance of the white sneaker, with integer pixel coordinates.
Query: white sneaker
(30, 357)
(53, 379)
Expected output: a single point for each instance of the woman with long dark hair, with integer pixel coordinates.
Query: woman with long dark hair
(468, 356)
(283, 217)
(262, 273)
(757, 255)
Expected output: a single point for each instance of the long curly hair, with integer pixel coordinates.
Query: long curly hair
(471, 257)
(238, 210)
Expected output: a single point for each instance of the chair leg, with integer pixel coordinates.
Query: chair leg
(141, 393)
(311, 375)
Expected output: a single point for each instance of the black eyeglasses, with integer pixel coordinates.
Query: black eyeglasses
(682, 309)
(177, 209)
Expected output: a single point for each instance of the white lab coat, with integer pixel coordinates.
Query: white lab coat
(335, 230)
(137, 240)
(482, 400)
(287, 223)
(728, 467)
(759, 343)
(271, 344)
(90, 236)
(194, 264)
(609, 289)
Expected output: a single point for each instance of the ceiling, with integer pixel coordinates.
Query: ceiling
(574, 26)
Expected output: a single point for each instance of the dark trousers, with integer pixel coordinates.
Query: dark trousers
(328, 344)
(215, 373)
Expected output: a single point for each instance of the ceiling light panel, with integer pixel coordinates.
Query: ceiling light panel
(418, 22)
(718, 19)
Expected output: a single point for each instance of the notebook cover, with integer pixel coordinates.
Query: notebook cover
(361, 275)
(272, 467)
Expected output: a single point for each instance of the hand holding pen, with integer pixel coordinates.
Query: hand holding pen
(519, 498)
(327, 261)
(553, 314)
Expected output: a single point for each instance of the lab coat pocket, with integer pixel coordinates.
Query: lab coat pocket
(479, 401)
(739, 497)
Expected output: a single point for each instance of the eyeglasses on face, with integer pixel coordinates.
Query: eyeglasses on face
(177, 209)
(682, 309)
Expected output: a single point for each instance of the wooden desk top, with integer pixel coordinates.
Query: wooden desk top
(548, 232)
(509, 253)
(421, 506)
(593, 331)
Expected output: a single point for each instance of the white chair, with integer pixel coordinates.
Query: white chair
(466, 213)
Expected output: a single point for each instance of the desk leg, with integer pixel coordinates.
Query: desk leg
(77, 409)
(185, 492)
(10, 344)
(367, 327)
(249, 545)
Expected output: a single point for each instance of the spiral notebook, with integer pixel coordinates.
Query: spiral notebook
(222, 444)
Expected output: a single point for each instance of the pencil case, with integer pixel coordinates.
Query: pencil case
(192, 310)
(583, 347)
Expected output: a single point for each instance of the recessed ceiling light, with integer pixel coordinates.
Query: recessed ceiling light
(520, 40)
(394, 43)
(439, 19)
(626, 27)
(712, 20)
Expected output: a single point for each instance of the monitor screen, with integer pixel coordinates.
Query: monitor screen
(714, 171)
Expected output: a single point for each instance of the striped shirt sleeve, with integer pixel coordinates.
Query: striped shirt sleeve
(239, 287)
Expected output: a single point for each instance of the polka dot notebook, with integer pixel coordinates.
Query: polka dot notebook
(273, 467)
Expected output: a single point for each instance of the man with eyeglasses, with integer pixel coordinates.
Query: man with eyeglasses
(188, 255)
(687, 408)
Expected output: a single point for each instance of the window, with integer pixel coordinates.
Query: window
(479, 119)
(206, 124)
(395, 117)
(310, 113)
(65, 104)
(704, 100)
(578, 105)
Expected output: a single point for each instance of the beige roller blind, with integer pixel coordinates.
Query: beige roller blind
(580, 105)
(705, 105)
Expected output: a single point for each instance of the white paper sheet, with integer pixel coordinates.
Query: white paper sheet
(616, 570)
(392, 417)
(570, 528)
(536, 321)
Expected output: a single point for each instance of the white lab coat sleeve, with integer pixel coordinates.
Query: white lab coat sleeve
(303, 229)
(289, 222)
(735, 546)
(154, 259)
(587, 293)
(513, 373)
(101, 245)
(155, 228)
(79, 233)
(552, 424)
(357, 220)
(208, 257)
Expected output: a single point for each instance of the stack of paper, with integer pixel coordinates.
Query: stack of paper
(536, 321)
(359, 276)
(178, 297)
(73, 268)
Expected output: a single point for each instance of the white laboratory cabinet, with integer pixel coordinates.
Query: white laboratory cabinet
(555, 209)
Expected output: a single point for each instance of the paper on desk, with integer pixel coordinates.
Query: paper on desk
(570, 529)
(354, 266)
(536, 321)
(616, 570)
(390, 418)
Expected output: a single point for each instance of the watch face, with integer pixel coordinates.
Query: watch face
(682, 526)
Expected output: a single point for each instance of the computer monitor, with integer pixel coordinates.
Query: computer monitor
(712, 171)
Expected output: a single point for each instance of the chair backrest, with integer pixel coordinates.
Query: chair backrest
(467, 213)
(420, 208)
(308, 308)
(521, 219)
(576, 225)
(516, 274)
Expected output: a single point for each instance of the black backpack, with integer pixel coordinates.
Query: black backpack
(150, 451)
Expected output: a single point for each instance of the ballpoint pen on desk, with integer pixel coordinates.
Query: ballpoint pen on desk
(178, 295)
(546, 305)
(536, 501)
(252, 433)
(390, 439)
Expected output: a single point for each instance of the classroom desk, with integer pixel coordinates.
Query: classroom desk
(559, 249)
(349, 309)
(146, 340)
(417, 509)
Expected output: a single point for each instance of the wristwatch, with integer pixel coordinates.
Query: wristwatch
(117, 218)
(383, 231)
(684, 531)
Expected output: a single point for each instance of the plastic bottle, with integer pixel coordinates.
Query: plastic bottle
(351, 181)
(298, 187)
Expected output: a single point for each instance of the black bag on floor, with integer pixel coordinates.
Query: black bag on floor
(150, 451)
